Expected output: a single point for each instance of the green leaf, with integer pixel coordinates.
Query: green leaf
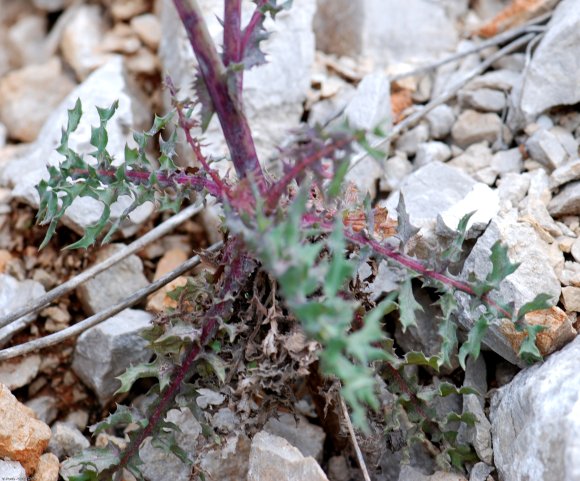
(447, 329)
(453, 252)
(472, 346)
(340, 269)
(467, 418)
(217, 365)
(529, 352)
(405, 230)
(541, 301)
(334, 188)
(501, 265)
(408, 305)
(419, 359)
(74, 116)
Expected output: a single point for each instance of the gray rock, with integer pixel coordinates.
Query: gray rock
(160, 464)
(534, 276)
(504, 80)
(430, 191)
(230, 462)
(365, 175)
(114, 284)
(51, 5)
(272, 457)
(482, 201)
(564, 174)
(479, 435)
(45, 408)
(480, 472)
(301, 434)
(476, 377)
(12, 470)
(81, 40)
(475, 158)
(440, 120)
(472, 127)
(273, 93)
(370, 106)
(515, 62)
(567, 140)
(378, 29)
(19, 372)
(512, 188)
(567, 201)
(534, 419)
(102, 88)
(434, 151)
(506, 161)
(66, 440)
(29, 95)
(397, 168)
(409, 142)
(550, 78)
(484, 99)
(106, 350)
(3, 135)
(27, 40)
(545, 148)
(14, 295)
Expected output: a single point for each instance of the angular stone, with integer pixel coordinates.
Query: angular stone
(370, 106)
(378, 29)
(114, 284)
(27, 40)
(272, 457)
(481, 200)
(558, 330)
(535, 422)
(551, 76)
(14, 295)
(472, 127)
(440, 120)
(534, 276)
(430, 191)
(409, 142)
(410, 473)
(484, 100)
(479, 435)
(481, 472)
(22, 437)
(51, 5)
(544, 147)
(106, 350)
(45, 408)
(571, 298)
(148, 28)
(160, 301)
(475, 158)
(48, 468)
(230, 462)
(12, 470)
(506, 161)
(301, 434)
(434, 151)
(19, 372)
(101, 89)
(564, 174)
(161, 464)
(81, 40)
(567, 201)
(504, 80)
(66, 440)
(29, 95)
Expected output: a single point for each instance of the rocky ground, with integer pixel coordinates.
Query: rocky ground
(494, 131)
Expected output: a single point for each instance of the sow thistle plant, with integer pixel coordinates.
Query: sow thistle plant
(292, 249)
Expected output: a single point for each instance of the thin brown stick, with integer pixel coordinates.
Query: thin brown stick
(358, 452)
(79, 327)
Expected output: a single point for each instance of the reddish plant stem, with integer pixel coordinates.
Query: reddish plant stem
(234, 124)
(167, 397)
(251, 27)
(281, 185)
(413, 264)
(233, 40)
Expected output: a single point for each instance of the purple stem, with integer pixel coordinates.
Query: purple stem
(232, 119)
(252, 25)
(233, 40)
